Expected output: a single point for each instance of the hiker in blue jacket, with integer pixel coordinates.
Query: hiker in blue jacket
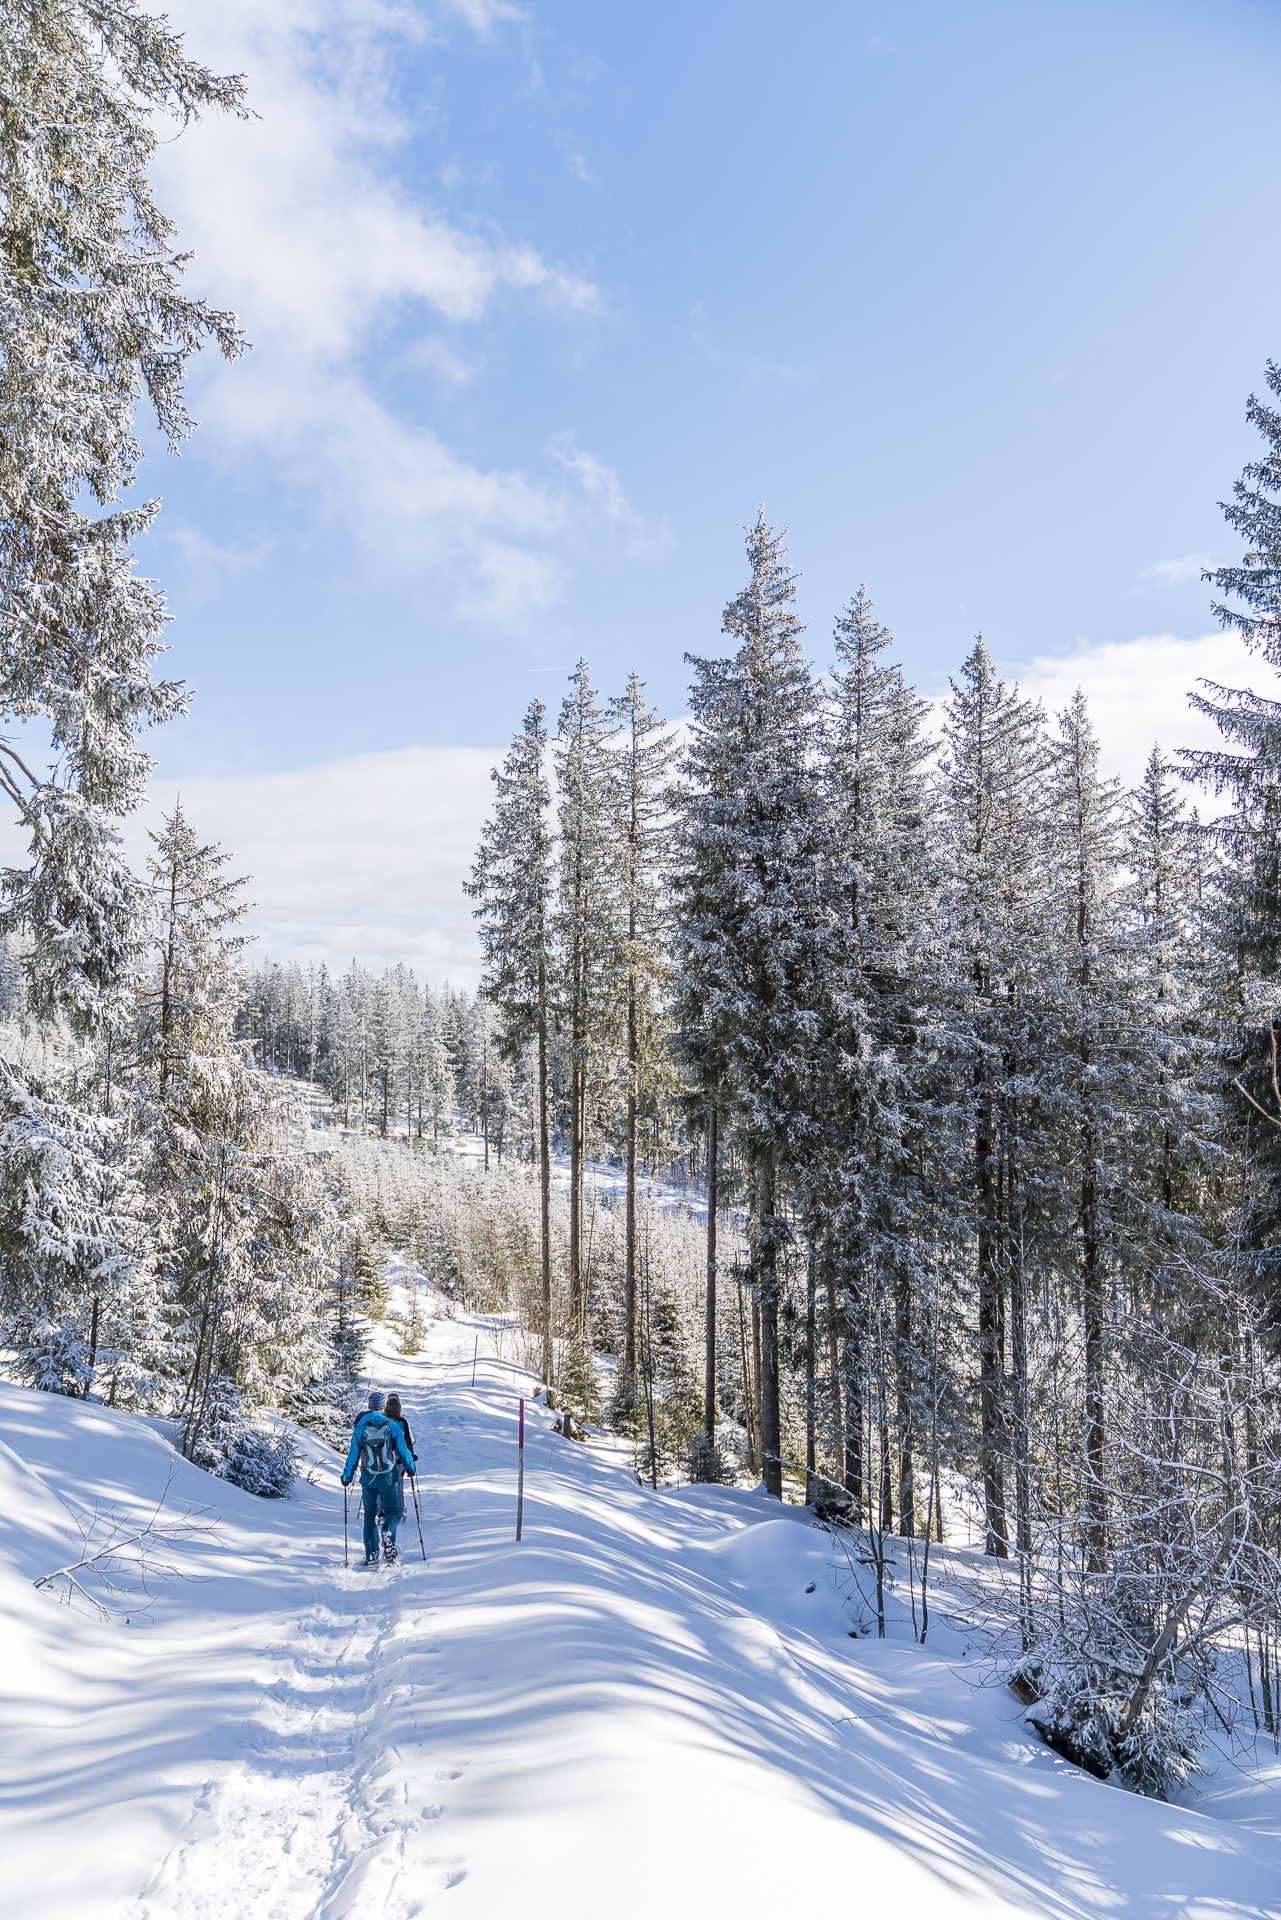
(378, 1444)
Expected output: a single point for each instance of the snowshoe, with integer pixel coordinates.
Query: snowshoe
(390, 1551)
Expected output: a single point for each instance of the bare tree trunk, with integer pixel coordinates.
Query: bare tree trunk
(853, 1397)
(166, 981)
(991, 1331)
(811, 1482)
(575, 1192)
(749, 1398)
(649, 1373)
(904, 1389)
(1019, 1361)
(767, 1246)
(758, 1457)
(629, 1217)
(1092, 1314)
(709, 1349)
(886, 1500)
(833, 1353)
(545, 1181)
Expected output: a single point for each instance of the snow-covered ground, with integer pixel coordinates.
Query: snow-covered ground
(651, 1706)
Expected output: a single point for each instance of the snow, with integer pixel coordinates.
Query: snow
(639, 1709)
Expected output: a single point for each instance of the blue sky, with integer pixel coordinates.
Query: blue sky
(546, 299)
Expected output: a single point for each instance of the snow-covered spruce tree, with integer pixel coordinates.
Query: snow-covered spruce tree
(512, 880)
(183, 1009)
(353, 1037)
(438, 1074)
(1178, 1159)
(1096, 1062)
(643, 777)
(993, 800)
(246, 1235)
(78, 1302)
(587, 933)
(746, 907)
(390, 1045)
(872, 1217)
(92, 316)
(1244, 925)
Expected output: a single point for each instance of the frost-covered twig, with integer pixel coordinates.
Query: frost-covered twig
(118, 1551)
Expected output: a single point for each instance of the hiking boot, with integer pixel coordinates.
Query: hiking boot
(390, 1550)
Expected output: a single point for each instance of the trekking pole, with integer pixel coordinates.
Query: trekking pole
(344, 1526)
(475, 1350)
(413, 1481)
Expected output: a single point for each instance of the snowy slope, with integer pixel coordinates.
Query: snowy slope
(639, 1709)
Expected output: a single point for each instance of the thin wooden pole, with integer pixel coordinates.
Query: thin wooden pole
(520, 1472)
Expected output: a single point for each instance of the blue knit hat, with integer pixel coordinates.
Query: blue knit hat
(377, 1401)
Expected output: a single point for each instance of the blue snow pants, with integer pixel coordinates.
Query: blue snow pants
(379, 1494)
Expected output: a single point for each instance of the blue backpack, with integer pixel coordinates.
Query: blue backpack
(378, 1449)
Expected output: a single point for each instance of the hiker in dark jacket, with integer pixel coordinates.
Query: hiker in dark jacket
(394, 1413)
(379, 1446)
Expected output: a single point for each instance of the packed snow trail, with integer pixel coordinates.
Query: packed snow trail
(638, 1710)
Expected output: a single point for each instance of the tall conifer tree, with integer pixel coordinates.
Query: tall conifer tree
(587, 928)
(512, 880)
(642, 772)
(871, 1082)
(747, 892)
(993, 802)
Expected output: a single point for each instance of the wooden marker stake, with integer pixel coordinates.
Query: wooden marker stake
(520, 1472)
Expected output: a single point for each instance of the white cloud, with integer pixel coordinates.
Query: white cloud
(443, 360)
(300, 224)
(1137, 690)
(206, 557)
(483, 15)
(604, 489)
(364, 856)
(1177, 573)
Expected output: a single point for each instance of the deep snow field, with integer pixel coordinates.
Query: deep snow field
(638, 1710)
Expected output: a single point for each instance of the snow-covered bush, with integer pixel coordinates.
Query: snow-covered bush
(261, 1462)
(578, 1384)
(706, 1461)
(233, 1448)
(50, 1352)
(1082, 1715)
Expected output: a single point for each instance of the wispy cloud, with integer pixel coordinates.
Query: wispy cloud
(300, 222)
(580, 170)
(207, 558)
(1176, 573)
(602, 486)
(483, 16)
